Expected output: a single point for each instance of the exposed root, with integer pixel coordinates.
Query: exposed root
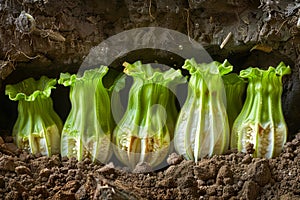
(188, 22)
(150, 14)
(29, 57)
(52, 35)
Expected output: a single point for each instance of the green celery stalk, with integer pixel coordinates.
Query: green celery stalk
(88, 127)
(38, 127)
(261, 123)
(235, 87)
(146, 129)
(202, 127)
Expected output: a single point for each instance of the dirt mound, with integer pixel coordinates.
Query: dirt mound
(231, 176)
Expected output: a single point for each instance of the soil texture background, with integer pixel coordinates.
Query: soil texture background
(60, 35)
(231, 176)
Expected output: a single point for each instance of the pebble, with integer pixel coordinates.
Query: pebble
(7, 163)
(45, 173)
(174, 159)
(142, 168)
(260, 172)
(11, 147)
(22, 170)
(107, 169)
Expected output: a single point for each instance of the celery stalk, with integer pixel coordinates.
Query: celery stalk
(235, 87)
(261, 123)
(88, 127)
(146, 129)
(38, 127)
(202, 127)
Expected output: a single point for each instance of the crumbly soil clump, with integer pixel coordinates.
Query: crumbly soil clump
(231, 176)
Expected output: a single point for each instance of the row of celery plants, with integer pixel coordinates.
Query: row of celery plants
(151, 120)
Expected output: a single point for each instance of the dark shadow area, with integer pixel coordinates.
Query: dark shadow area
(158, 58)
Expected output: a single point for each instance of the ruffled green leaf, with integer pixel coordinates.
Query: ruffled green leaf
(30, 89)
(67, 79)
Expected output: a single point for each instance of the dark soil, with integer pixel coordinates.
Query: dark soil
(231, 176)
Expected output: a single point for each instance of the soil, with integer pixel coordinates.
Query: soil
(230, 176)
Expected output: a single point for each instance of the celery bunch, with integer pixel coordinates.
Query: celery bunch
(38, 127)
(202, 127)
(88, 127)
(261, 123)
(146, 129)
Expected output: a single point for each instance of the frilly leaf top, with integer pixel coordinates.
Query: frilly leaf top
(147, 73)
(30, 89)
(67, 79)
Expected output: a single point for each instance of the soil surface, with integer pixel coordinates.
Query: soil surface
(231, 176)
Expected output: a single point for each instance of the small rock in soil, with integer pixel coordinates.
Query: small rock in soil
(260, 172)
(54, 161)
(250, 190)
(187, 182)
(22, 170)
(247, 159)
(142, 168)
(7, 163)
(61, 195)
(249, 148)
(205, 170)
(167, 183)
(225, 176)
(11, 147)
(71, 186)
(212, 190)
(174, 159)
(107, 169)
(45, 172)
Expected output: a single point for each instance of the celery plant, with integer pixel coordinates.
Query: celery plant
(38, 127)
(202, 128)
(146, 129)
(261, 123)
(88, 127)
